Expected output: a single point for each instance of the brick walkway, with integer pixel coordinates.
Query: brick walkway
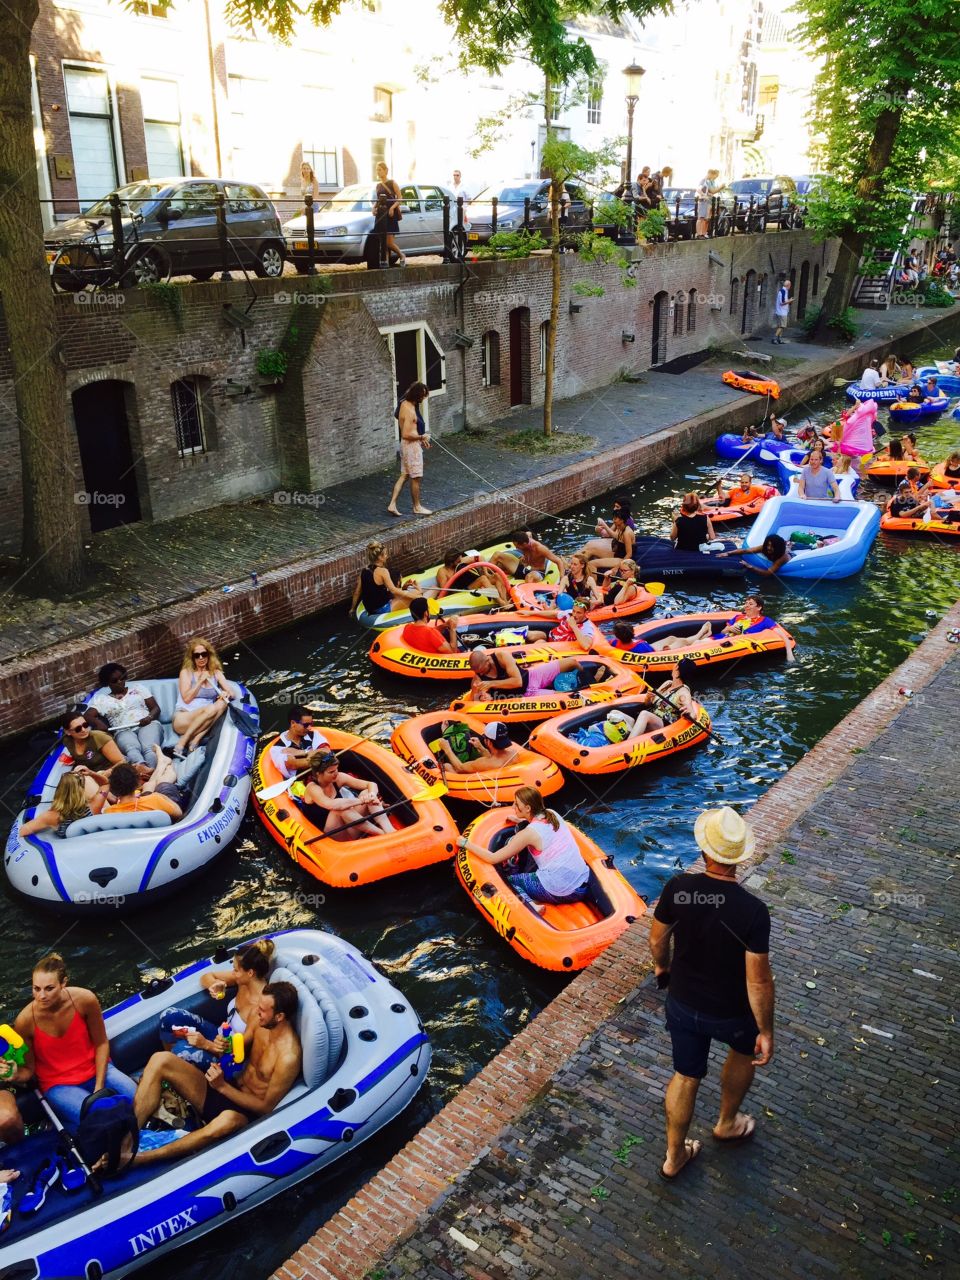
(854, 1169)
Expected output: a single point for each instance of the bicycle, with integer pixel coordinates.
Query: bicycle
(90, 265)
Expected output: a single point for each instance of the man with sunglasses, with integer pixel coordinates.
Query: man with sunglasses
(292, 750)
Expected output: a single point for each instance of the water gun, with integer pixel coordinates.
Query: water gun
(232, 1060)
(13, 1047)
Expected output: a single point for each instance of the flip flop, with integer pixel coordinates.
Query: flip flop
(695, 1146)
(747, 1134)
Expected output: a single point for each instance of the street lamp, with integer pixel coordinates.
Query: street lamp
(633, 75)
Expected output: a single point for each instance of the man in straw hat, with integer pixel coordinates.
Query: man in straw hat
(720, 986)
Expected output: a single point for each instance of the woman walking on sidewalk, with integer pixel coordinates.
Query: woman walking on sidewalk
(413, 440)
(719, 984)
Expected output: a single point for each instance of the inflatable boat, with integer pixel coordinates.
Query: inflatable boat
(365, 1057)
(939, 480)
(927, 411)
(124, 861)
(747, 380)
(412, 739)
(851, 528)
(947, 374)
(705, 653)
(598, 683)
(893, 469)
(530, 596)
(736, 511)
(882, 395)
(568, 935)
(459, 600)
(557, 739)
(424, 832)
(765, 450)
(658, 558)
(933, 528)
(392, 652)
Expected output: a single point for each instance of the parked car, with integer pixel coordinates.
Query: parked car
(510, 198)
(343, 225)
(173, 224)
(774, 200)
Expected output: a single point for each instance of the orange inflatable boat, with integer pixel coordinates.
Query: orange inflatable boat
(529, 596)
(736, 511)
(391, 651)
(937, 528)
(600, 682)
(411, 742)
(889, 469)
(938, 480)
(556, 739)
(747, 380)
(568, 935)
(705, 653)
(424, 831)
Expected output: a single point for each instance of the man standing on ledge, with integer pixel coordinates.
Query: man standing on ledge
(781, 309)
(720, 986)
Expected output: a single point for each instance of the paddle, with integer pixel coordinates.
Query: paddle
(428, 793)
(244, 721)
(685, 715)
(65, 1137)
(278, 788)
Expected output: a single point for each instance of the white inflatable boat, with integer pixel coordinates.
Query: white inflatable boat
(122, 861)
(365, 1056)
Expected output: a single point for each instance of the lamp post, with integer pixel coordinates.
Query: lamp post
(633, 75)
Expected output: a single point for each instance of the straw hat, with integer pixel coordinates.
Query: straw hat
(724, 836)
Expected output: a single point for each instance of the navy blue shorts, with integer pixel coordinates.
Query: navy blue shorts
(691, 1033)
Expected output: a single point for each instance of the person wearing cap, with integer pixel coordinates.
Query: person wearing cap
(427, 637)
(494, 747)
(496, 674)
(293, 748)
(573, 625)
(719, 983)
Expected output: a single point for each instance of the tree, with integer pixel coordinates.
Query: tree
(887, 100)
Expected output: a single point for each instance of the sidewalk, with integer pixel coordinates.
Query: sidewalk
(853, 1171)
(140, 567)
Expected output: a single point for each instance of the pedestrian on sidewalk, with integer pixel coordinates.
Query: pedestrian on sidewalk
(705, 192)
(781, 308)
(719, 983)
(387, 215)
(413, 440)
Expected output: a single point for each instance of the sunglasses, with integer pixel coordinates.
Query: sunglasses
(78, 728)
(305, 724)
(201, 653)
(326, 763)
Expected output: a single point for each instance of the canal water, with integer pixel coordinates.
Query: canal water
(471, 991)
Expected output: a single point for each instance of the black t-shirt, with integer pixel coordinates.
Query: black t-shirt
(716, 922)
(691, 531)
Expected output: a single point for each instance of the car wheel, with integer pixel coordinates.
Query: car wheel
(202, 276)
(269, 261)
(149, 266)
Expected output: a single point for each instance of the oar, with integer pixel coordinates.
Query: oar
(278, 788)
(655, 588)
(71, 1145)
(243, 720)
(737, 462)
(428, 793)
(677, 711)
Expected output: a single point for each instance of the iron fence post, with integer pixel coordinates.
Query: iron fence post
(221, 203)
(116, 227)
(311, 243)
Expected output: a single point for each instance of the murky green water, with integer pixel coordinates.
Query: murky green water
(468, 986)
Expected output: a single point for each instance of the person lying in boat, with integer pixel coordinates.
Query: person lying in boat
(160, 793)
(377, 589)
(93, 754)
(292, 750)
(561, 874)
(626, 639)
(620, 585)
(745, 491)
(931, 393)
(915, 394)
(470, 578)
(426, 636)
(127, 711)
(272, 1060)
(529, 554)
(944, 505)
(69, 804)
(951, 467)
(493, 749)
(573, 625)
(578, 579)
(617, 727)
(341, 805)
(773, 548)
(497, 675)
(197, 1040)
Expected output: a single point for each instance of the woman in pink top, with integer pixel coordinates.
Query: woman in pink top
(561, 874)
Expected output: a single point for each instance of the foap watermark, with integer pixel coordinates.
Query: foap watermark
(494, 497)
(310, 899)
(883, 898)
(101, 899)
(298, 299)
(697, 899)
(510, 300)
(97, 499)
(98, 298)
(294, 498)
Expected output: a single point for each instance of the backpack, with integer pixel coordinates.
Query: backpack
(457, 735)
(106, 1118)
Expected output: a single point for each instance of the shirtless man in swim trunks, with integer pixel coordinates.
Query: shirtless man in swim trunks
(495, 674)
(272, 1064)
(530, 556)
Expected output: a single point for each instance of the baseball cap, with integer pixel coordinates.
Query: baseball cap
(471, 555)
(497, 733)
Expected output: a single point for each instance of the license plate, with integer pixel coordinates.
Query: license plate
(473, 235)
(599, 231)
(300, 244)
(51, 255)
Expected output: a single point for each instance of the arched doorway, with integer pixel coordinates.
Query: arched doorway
(749, 317)
(520, 355)
(658, 340)
(803, 290)
(106, 455)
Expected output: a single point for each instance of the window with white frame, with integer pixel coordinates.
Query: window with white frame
(544, 343)
(490, 359)
(378, 155)
(191, 415)
(382, 105)
(594, 101)
(90, 107)
(317, 110)
(160, 101)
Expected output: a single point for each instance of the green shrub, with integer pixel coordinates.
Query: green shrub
(512, 244)
(272, 364)
(844, 323)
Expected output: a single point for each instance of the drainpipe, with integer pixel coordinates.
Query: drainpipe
(213, 89)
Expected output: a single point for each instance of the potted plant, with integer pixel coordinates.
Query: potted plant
(272, 368)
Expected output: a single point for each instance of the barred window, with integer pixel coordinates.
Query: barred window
(189, 415)
(678, 303)
(490, 359)
(692, 312)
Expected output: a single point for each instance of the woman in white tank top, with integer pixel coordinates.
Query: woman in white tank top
(561, 874)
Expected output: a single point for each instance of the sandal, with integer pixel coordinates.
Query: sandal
(693, 1148)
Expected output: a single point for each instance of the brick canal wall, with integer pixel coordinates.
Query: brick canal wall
(413, 1186)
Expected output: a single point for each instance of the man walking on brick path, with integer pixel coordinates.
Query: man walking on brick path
(720, 986)
(781, 309)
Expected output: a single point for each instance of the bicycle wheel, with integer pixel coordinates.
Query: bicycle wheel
(68, 276)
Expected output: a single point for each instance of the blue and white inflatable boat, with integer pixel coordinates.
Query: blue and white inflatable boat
(882, 395)
(926, 411)
(122, 861)
(854, 525)
(365, 1056)
(947, 374)
(766, 449)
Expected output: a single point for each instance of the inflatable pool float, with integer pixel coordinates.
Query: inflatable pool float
(529, 596)
(938, 480)
(568, 935)
(765, 449)
(896, 524)
(705, 653)
(391, 651)
(788, 473)
(908, 411)
(458, 601)
(854, 525)
(424, 832)
(599, 683)
(365, 1057)
(123, 861)
(888, 469)
(554, 739)
(946, 373)
(747, 380)
(658, 558)
(411, 742)
(735, 511)
(882, 395)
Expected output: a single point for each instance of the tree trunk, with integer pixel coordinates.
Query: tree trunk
(52, 546)
(554, 280)
(853, 241)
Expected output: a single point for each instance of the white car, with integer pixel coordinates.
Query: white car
(343, 225)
